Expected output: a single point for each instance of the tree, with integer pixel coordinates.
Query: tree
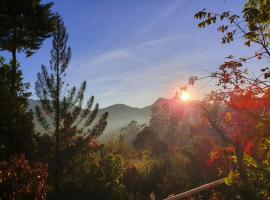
(71, 127)
(16, 123)
(24, 26)
(113, 169)
(241, 103)
(131, 130)
(97, 176)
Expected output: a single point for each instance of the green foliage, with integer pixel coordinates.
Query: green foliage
(160, 175)
(120, 145)
(231, 178)
(257, 14)
(258, 178)
(96, 175)
(113, 169)
(253, 26)
(259, 170)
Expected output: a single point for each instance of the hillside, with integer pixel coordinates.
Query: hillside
(119, 116)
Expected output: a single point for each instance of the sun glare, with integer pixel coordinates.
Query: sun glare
(185, 96)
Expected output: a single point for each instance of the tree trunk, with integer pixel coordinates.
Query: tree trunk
(57, 133)
(13, 73)
(240, 163)
(57, 163)
(245, 190)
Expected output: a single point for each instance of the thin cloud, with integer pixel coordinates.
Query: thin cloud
(135, 55)
(131, 74)
(109, 92)
(156, 59)
(161, 17)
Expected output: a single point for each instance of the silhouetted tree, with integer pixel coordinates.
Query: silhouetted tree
(131, 130)
(16, 122)
(24, 26)
(71, 127)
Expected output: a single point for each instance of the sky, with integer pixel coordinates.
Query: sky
(135, 51)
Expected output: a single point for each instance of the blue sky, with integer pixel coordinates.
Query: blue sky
(134, 51)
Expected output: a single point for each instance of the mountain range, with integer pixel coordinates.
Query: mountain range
(119, 115)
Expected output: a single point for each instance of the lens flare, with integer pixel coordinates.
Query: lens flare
(185, 96)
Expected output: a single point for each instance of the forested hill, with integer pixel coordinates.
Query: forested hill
(120, 115)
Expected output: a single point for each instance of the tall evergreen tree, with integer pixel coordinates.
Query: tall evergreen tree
(24, 26)
(16, 122)
(71, 127)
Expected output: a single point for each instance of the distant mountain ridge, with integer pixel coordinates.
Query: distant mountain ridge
(119, 115)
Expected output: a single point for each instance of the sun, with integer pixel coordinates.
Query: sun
(185, 96)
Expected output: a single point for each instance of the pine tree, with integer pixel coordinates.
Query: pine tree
(71, 127)
(16, 122)
(24, 26)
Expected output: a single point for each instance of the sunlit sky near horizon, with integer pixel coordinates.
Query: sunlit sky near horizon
(134, 51)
